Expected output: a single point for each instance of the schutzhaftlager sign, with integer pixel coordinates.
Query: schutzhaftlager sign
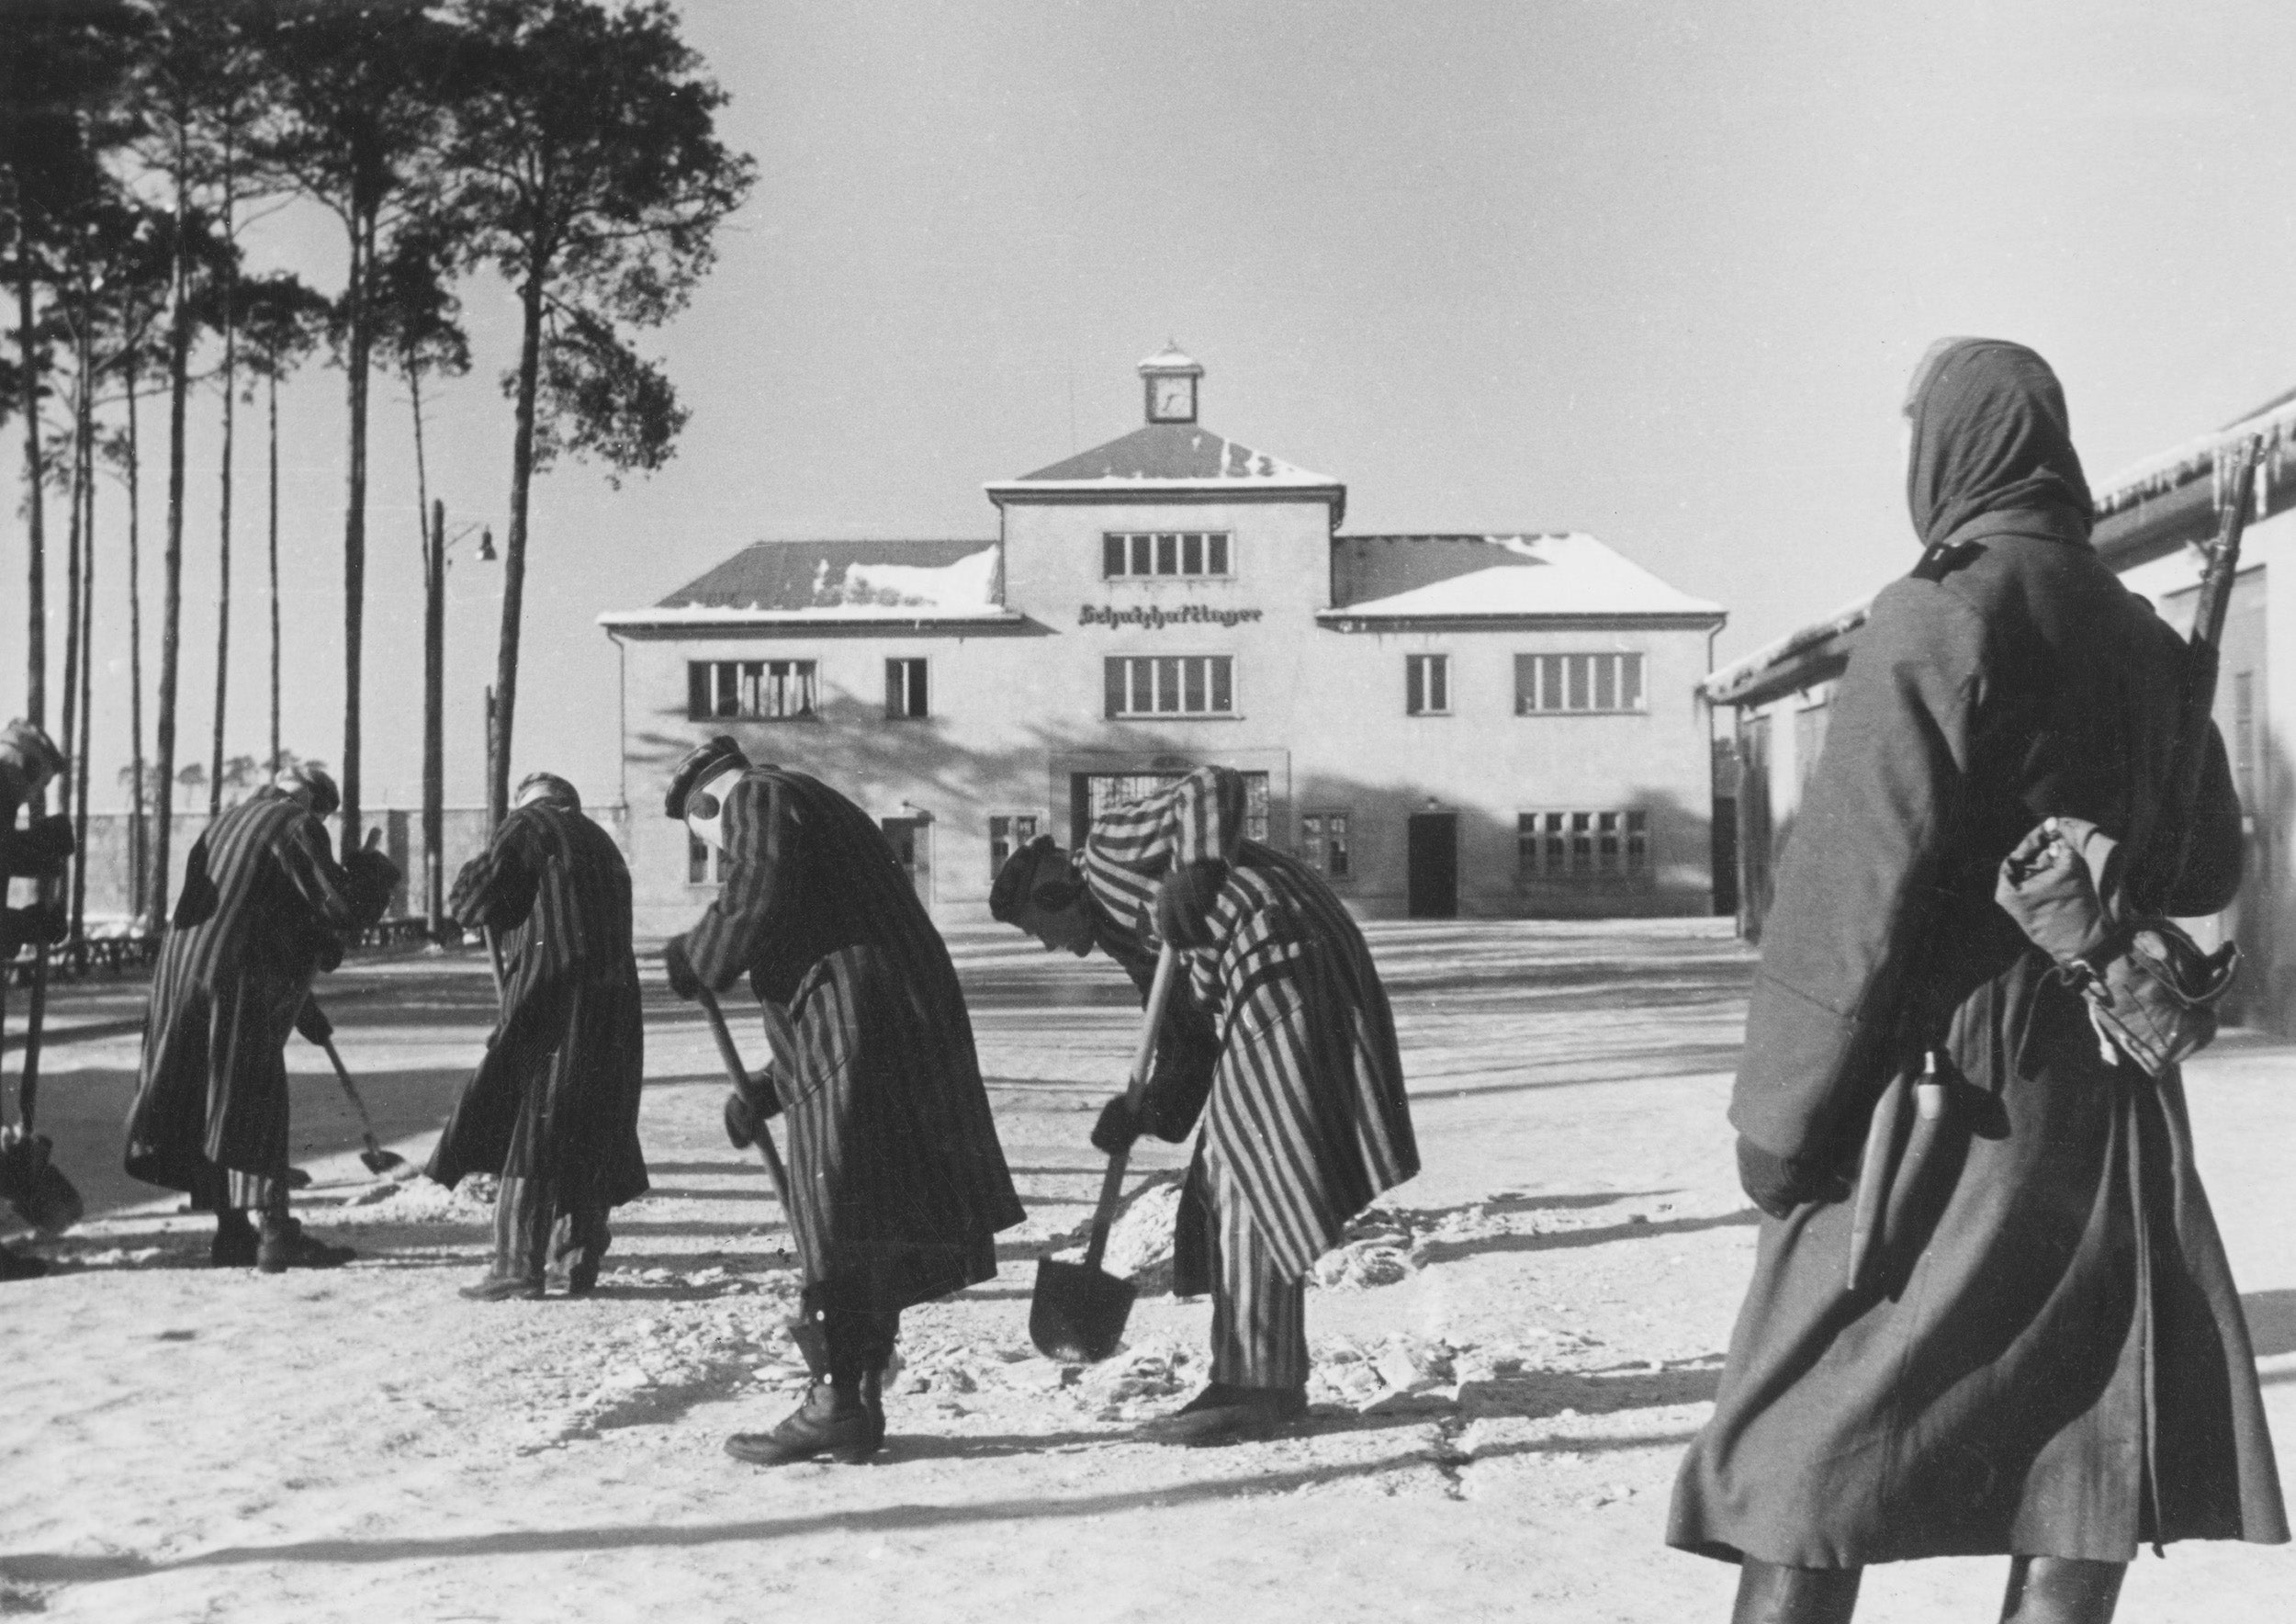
(1156, 619)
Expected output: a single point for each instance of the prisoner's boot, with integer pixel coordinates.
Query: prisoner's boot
(1225, 1415)
(503, 1288)
(20, 1266)
(285, 1246)
(235, 1245)
(1772, 1593)
(2062, 1590)
(838, 1419)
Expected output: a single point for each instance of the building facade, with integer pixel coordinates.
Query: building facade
(1483, 725)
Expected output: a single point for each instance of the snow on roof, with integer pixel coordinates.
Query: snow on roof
(1414, 577)
(1773, 667)
(1169, 454)
(837, 580)
(1171, 358)
(2273, 424)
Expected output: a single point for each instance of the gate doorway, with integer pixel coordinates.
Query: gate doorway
(912, 842)
(1432, 878)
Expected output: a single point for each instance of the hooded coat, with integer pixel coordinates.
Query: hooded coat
(556, 1096)
(897, 1183)
(2050, 1359)
(264, 907)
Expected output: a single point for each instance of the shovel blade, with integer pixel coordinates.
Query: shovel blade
(1077, 1315)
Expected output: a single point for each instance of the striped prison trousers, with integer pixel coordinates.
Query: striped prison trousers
(1259, 1319)
(536, 1232)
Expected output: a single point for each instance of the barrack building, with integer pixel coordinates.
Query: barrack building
(1442, 724)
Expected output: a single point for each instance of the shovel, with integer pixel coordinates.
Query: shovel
(739, 1075)
(377, 1160)
(1078, 1311)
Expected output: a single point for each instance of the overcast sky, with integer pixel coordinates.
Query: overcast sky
(1658, 272)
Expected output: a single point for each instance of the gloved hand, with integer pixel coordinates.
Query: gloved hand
(1779, 1184)
(40, 849)
(40, 924)
(311, 1021)
(678, 964)
(1183, 901)
(747, 1110)
(1118, 1127)
(742, 1129)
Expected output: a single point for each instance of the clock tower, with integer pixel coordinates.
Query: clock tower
(1170, 378)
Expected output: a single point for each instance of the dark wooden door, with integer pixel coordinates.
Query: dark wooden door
(912, 848)
(1431, 879)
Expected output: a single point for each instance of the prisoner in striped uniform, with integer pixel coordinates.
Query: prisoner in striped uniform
(1283, 1043)
(553, 1106)
(263, 909)
(897, 1183)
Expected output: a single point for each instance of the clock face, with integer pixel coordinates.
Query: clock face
(1173, 398)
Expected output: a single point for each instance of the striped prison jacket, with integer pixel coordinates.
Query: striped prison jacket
(557, 1095)
(1307, 1114)
(896, 1175)
(263, 907)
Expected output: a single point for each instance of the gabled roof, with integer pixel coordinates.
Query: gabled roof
(799, 582)
(1455, 577)
(1164, 458)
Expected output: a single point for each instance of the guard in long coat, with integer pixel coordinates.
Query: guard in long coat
(2050, 1362)
(553, 1107)
(899, 1186)
(264, 907)
(1283, 1043)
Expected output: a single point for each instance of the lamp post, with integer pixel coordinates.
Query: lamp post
(434, 550)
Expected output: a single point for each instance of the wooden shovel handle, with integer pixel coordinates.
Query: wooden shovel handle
(1144, 1057)
(739, 1076)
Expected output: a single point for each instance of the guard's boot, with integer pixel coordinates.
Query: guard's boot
(1225, 1415)
(235, 1245)
(838, 1419)
(20, 1266)
(286, 1246)
(1772, 1593)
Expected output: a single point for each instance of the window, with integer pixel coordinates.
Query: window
(2244, 740)
(1323, 842)
(706, 864)
(1171, 685)
(1101, 790)
(1427, 685)
(1127, 554)
(904, 688)
(754, 690)
(1590, 684)
(1577, 846)
(1007, 835)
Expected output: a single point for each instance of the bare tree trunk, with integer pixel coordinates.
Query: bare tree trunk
(514, 555)
(138, 831)
(274, 758)
(70, 732)
(223, 529)
(34, 532)
(87, 655)
(171, 612)
(355, 529)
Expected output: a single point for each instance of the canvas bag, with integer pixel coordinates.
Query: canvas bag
(2152, 992)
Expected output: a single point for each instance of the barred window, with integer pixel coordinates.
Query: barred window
(1171, 685)
(905, 688)
(1323, 842)
(706, 864)
(1590, 845)
(2245, 739)
(1427, 685)
(1547, 684)
(1008, 834)
(1107, 790)
(752, 690)
(1127, 554)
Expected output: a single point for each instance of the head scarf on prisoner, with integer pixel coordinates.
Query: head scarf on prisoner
(1990, 437)
(549, 787)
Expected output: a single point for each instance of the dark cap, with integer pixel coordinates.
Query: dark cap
(325, 799)
(30, 750)
(701, 763)
(1018, 878)
(550, 787)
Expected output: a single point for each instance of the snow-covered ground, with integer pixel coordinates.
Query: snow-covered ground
(1511, 1351)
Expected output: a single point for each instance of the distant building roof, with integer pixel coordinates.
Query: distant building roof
(1164, 458)
(799, 582)
(2155, 506)
(1802, 658)
(1472, 578)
